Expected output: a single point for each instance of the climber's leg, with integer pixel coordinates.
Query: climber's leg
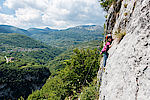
(105, 55)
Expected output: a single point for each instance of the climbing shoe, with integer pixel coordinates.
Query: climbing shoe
(104, 69)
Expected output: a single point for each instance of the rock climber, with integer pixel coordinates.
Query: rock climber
(106, 48)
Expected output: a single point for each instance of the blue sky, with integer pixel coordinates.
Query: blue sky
(58, 14)
(5, 9)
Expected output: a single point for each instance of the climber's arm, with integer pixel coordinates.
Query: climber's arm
(110, 46)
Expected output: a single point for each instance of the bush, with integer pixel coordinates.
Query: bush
(125, 5)
(106, 4)
(120, 36)
(125, 14)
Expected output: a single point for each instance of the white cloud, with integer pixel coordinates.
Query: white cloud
(28, 15)
(15, 4)
(8, 19)
(53, 13)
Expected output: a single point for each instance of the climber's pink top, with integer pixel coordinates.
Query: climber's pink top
(105, 47)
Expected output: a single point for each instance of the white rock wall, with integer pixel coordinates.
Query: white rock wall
(127, 75)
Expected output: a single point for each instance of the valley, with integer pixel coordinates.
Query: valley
(43, 50)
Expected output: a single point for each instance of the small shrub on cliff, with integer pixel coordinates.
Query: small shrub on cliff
(125, 5)
(120, 36)
(21, 98)
(106, 4)
(125, 14)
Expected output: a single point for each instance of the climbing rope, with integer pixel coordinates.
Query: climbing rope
(87, 73)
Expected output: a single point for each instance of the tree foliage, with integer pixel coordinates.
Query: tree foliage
(106, 4)
(90, 93)
(21, 82)
(70, 80)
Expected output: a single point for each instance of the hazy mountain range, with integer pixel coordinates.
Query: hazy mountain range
(59, 38)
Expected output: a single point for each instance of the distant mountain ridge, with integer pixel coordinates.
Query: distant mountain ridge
(59, 38)
(42, 31)
(69, 37)
(12, 29)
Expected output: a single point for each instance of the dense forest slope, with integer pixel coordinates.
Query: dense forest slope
(58, 62)
(69, 82)
(26, 69)
(17, 40)
(17, 82)
(127, 75)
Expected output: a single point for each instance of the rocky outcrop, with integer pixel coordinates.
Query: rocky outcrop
(127, 75)
(15, 83)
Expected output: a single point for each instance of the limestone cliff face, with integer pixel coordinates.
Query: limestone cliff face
(127, 75)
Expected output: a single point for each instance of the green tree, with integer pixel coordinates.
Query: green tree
(106, 4)
(79, 71)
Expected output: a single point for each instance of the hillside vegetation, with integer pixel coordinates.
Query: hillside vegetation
(34, 62)
(16, 82)
(26, 49)
(79, 71)
(11, 29)
(58, 63)
(27, 71)
(13, 40)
